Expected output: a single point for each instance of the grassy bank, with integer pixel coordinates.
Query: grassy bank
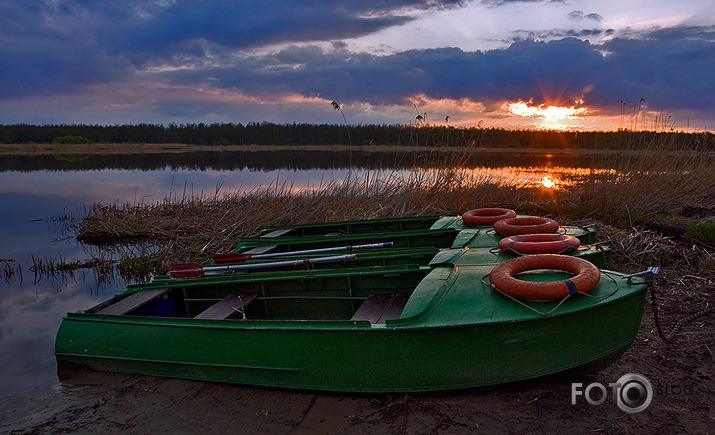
(650, 201)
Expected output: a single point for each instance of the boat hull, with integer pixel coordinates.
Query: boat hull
(351, 356)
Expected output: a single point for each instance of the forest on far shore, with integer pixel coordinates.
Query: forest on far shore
(266, 133)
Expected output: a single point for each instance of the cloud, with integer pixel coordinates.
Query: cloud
(168, 58)
(498, 3)
(552, 34)
(669, 69)
(580, 15)
(52, 46)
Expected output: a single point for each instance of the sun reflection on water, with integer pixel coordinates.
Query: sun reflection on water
(549, 182)
(552, 178)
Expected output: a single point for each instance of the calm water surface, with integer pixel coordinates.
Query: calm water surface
(36, 191)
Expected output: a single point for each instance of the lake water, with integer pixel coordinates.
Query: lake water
(35, 192)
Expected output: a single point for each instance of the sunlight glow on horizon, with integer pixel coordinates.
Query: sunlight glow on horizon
(549, 112)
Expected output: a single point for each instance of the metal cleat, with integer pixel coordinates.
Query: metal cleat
(591, 228)
(648, 274)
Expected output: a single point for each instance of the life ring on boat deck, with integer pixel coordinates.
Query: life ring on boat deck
(525, 225)
(539, 243)
(586, 276)
(482, 217)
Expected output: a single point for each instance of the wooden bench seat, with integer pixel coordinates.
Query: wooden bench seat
(260, 250)
(380, 308)
(132, 302)
(278, 233)
(230, 306)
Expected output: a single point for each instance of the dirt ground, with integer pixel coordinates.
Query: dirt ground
(679, 369)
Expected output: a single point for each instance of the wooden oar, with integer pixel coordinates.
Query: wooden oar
(234, 257)
(195, 270)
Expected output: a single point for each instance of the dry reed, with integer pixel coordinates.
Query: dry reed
(662, 179)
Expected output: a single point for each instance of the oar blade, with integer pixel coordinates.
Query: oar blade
(230, 258)
(186, 270)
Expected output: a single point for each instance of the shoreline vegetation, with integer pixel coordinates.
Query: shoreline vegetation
(660, 189)
(658, 205)
(177, 148)
(146, 138)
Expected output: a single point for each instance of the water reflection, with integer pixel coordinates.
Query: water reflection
(297, 160)
(529, 177)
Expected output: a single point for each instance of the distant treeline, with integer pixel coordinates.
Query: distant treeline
(266, 133)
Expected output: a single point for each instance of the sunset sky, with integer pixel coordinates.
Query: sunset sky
(495, 63)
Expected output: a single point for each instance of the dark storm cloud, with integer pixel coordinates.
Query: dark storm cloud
(52, 46)
(526, 69)
(670, 69)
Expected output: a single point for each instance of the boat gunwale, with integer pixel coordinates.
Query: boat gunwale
(351, 222)
(412, 323)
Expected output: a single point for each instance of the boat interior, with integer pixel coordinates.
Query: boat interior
(278, 241)
(374, 294)
(352, 227)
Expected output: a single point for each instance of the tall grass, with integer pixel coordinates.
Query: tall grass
(664, 178)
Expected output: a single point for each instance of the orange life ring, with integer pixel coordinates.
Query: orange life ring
(586, 276)
(525, 225)
(539, 243)
(481, 217)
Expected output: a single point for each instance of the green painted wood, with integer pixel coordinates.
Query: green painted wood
(454, 332)
(439, 325)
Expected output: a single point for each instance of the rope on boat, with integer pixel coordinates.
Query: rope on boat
(551, 311)
(679, 323)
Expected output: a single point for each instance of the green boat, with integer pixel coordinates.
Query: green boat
(409, 232)
(420, 236)
(392, 225)
(385, 328)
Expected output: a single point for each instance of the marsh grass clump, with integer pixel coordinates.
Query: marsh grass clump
(195, 228)
(702, 231)
(664, 177)
(59, 267)
(138, 263)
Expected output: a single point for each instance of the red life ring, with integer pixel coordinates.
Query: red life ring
(586, 276)
(482, 217)
(539, 243)
(525, 225)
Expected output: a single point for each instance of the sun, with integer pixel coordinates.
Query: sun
(551, 116)
(548, 182)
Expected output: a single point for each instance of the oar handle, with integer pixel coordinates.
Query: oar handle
(194, 270)
(232, 257)
(304, 261)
